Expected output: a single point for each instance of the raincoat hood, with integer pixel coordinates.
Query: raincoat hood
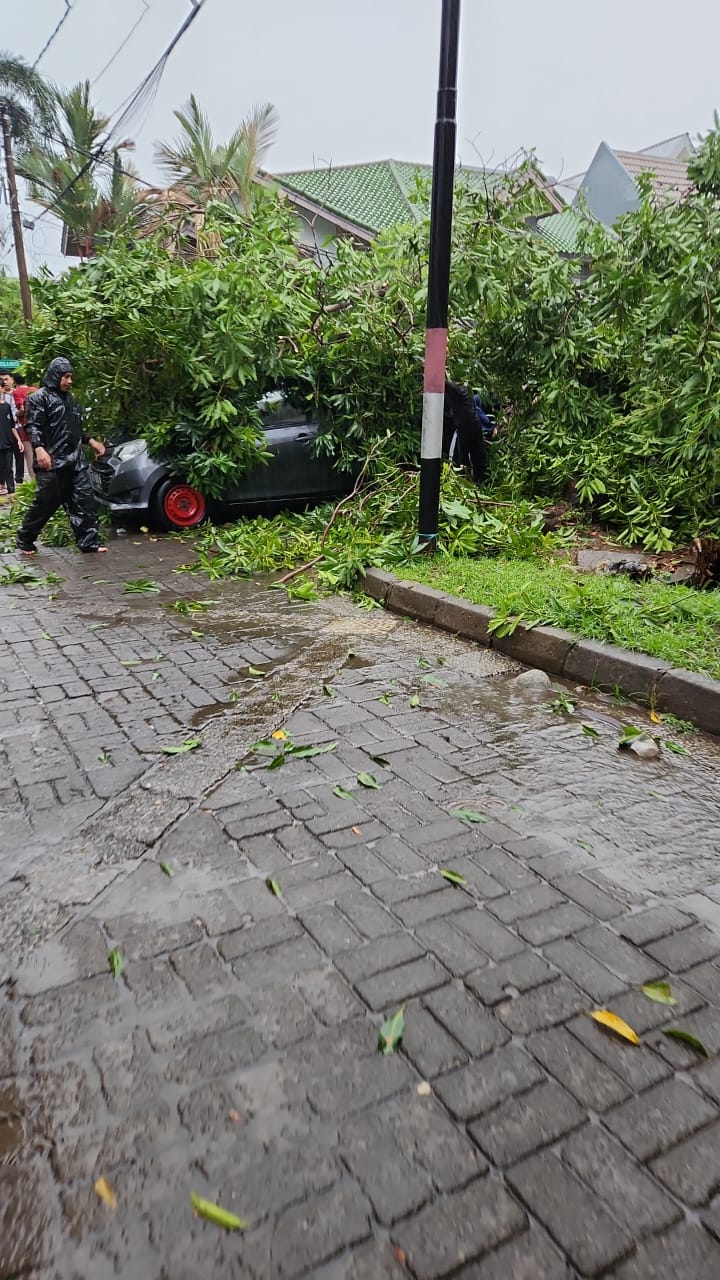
(56, 370)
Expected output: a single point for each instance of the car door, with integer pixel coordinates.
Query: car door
(293, 471)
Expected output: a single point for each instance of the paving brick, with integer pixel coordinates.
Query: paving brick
(554, 1002)
(588, 1079)
(330, 929)
(397, 855)
(311, 1233)
(363, 962)
(687, 1250)
(363, 863)
(656, 922)
(277, 965)
(259, 937)
(571, 1213)
(421, 1130)
(214, 1055)
(354, 1085)
(394, 986)
(600, 902)
(645, 1015)
(455, 951)
(394, 1187)
(153, 982)
(558, 922)
(637, 1070)
(465, 1226)
(428, 1045)
(706, 979)
(623, 959)
(526, 902)
(620, 1184)
(202, 971)
(584, 970)
(431, 905)
(684, 949)
(523, 1124)
(492, 937)
(529, 1256)
(660, 1117)
(522, 972)
(477, 1031)
(330, 999)
(479, 1087)
(366, 914)
(691, 1169)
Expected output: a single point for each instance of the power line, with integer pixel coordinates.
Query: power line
(144, 92)
(121, 46)
(53, 34)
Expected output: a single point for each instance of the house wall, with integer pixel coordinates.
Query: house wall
(607, 188)
(319, 234)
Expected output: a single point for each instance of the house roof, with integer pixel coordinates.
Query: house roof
(669, 177)
(378, 194)
(562, 230)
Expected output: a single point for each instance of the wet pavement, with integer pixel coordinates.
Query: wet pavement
(235, 1053)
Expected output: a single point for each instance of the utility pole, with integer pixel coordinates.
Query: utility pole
(16, 218)
(443, 181)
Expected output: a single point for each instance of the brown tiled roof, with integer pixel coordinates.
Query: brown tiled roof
(669, 177)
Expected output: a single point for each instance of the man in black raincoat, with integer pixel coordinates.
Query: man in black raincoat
(463, 439)
(54, 426)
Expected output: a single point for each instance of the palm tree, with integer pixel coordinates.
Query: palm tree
(27, 114)
(199, 169)
(89, 197)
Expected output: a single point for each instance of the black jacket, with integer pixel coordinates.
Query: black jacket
(54, 419)
(7, 436)
(462, 431)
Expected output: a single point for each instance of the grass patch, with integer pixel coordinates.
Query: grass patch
(673, 623)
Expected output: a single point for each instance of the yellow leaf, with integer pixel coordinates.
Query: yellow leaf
(280, 733)
(656, 719)
(106, 1193)
(615, 1024)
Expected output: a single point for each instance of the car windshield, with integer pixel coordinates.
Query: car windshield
(275, 409)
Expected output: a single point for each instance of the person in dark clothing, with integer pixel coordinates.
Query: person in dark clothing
(463, 439)
(6, 390)
(8, 442)
(53, 422)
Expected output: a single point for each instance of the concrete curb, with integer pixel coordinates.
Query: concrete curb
(638, 676)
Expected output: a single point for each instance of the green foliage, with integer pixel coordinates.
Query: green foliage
(611, 380)
(12, 332)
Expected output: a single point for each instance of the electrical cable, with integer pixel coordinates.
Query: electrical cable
(121, 46)
(145, 91)
(53, 34)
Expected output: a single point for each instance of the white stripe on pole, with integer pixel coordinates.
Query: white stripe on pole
(432, 424)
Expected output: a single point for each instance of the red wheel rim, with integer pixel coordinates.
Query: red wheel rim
(184, 506)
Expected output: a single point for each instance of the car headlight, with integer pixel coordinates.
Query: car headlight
(130, 449)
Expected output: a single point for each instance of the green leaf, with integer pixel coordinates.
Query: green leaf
(167, 869)
(675, 1033)
(306, 753)
(590, 731)
(155, 675)
(115, 960)
(385, 698)
(190, 744)
(140, 586)
(367, 780)
(255, 671)
(676, 748)
(453, 876)
(46, 635)
(265, 747)
(391, 1031)
(278, 760)
(629, 734)
(423, 662)
(415, 700)
(660, 992)
(197, 635)
(342, 794)
(468, 815)
(221, 1217)
(274, 887)
(435, 681)
(328, 691)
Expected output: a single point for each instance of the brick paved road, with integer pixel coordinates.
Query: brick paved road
(236, 1054)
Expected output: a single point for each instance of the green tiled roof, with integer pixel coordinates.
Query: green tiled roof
(375, 195)
(562, 230)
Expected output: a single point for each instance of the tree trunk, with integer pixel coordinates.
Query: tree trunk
(16, 220)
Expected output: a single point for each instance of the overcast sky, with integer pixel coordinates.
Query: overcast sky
(355, 79)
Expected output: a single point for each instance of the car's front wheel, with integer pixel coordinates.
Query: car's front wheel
(178, 506)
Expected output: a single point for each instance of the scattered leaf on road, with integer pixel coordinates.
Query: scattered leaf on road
(655, 718)
(368, 780)
(115, 960)
(391, 1032)
(328, 691)
(435, 681)
(106, 1193)
(255, 671)
(629, 734)
(140, 586)
(274, 887)
(197, 635)
(675, 1033)
(584, 844)
(385, 698)
(342, 793)
(167, 869)
(659, 992)
(189, 744)
(590, 731)
(468, 815)
(616, 1024)
(676, 748)
(380, 760)
(306, 753)
(453, 876)
(213, 1213)
(415, 700)
(423, 662)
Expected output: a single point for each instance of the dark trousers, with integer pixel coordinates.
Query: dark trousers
(19, 456)
(6, 470)
(69, 487)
